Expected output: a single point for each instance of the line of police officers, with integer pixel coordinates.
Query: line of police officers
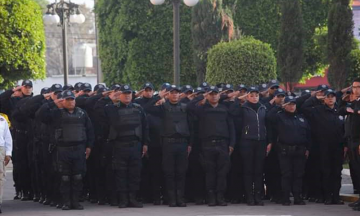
(122, 147)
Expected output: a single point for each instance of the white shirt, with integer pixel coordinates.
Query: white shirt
(5, 136)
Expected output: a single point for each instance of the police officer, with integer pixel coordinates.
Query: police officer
(186, 92)
(105, 178)
(253, 146)
(74, 137)
(272, 166)
(195, 188)
(40, 160)
(177, 140)
(217, 137)
(128, 132)
(83, 95)
(291, 136)
(352, 109)
(22, 134)
(329, 128)
(152, 175)
(313, 168)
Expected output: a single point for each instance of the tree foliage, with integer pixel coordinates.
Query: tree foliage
(291, 46)
(248, 61)
(259, 18)
(22, 41)
(136, 42)
(340, 40)
(206, 32)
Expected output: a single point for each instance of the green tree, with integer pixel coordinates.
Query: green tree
(206, 32)
(290, 49)
(340, 39)
(22, 41)
(259, 18)
(248, 61)
(136, 42)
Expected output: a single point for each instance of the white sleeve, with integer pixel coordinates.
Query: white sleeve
(8, 140)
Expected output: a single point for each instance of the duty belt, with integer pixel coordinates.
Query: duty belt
(175, 140)
(213, 142)
(70, 148)
(291, 147)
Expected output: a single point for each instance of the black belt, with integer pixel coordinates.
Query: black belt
(291, 147)
(70, 148)
(175, 140)
(213, 142)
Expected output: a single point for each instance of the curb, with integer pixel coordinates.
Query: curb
(349, 197)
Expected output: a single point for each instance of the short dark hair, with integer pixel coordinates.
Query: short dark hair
(356, 80)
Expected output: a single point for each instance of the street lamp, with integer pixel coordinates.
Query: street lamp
(63, 13)
(176, 26)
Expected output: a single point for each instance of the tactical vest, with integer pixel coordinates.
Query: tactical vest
(128, 124)
(175, 120)
(72, 127)
(214, 123)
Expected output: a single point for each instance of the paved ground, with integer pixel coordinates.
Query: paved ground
(19, 208)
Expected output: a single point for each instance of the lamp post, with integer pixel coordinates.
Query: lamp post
(176, 33)
(63, 13)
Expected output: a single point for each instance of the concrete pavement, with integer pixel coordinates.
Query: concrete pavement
(29, 208)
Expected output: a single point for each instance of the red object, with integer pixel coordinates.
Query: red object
(356, 3)
(314, 82)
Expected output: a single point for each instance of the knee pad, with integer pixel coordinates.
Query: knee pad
(65, 178)
(77, 177)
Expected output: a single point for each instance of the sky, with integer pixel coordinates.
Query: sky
(89, 3)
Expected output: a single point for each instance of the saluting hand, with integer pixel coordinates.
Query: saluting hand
(139, 93)
(16, 89)
(106, 93)
(58, 103)
(243, 97)
(47, 96)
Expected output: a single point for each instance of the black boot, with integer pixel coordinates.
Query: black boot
(250, 199)
(328, 199)
(133, 202)
(36, 198)
(17, 195)
(220, 199)
(286, 199)
(180, 198)
(298, 200)
(336, 200)
(355, 204)
(211, 198)
(171, 198)
(258, 200)
(66, 202)
(123, 203)
(25, 196)
(77, 186)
